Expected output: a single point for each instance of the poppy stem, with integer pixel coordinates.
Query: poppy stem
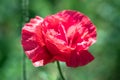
(60, 71)
(25, 17)
(24, 67)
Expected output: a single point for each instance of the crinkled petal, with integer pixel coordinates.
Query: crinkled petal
(54, 26)
(80, 58)
(55, 37)
(33, 43)
(80, 31)
(57, 47)
(55, 51)
(68, 29)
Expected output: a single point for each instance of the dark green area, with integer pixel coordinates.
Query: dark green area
(105, 14)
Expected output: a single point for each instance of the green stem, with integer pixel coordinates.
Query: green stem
(60, 71)
(24, 67)
(25, 16)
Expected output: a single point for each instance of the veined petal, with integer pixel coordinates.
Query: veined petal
(80, 58)
(53, 24)
(69, 17)
(57, 47)
(80, 31)
(33, 43)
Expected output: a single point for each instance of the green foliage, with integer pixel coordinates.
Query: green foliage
(105, 14)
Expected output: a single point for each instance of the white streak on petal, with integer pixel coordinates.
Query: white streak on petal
(38, 63)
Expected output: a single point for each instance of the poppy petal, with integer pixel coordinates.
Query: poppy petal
(57, 47)
(80, 31)
(33, 43)
(80, 58)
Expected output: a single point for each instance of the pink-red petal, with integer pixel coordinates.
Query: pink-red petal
(79, 29)
(80, 58)
(33, 43)
(57, 47)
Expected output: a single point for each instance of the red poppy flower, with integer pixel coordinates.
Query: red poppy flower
(65, 36)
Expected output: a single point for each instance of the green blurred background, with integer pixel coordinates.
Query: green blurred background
(105, 14)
